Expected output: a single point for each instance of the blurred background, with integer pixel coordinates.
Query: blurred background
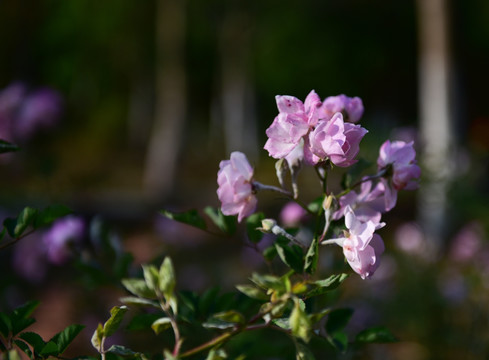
(122, 108)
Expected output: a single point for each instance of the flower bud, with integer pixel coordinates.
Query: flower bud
(267, 225)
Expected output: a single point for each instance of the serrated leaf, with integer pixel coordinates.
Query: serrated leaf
(291, 256)
(300, 324)
(252, 223)
(190, 217)
(122, 351)
(66, 336)
(378, 334)
(325, 285)
(5, 147)
(50, 349)
(167, 278)
(50, 214)
(338, 319)
(139, 288)
(136, 301)
(113, 323)
(311, 260)
(161, 325)
(97, 337)
(253, 292)
(226, 224)
(19, 324)
(302, 352)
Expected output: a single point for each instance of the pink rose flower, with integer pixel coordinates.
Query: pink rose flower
(399, 160)
(235, 186)
(294, 121)
(361, 247)
(352, 108)
(335, 140)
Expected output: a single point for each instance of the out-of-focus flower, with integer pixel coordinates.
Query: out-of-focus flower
(10, 102)
(29, 258)
(335, 140)
(352, 108)
(409, 238)
(235, 186)
(467, 243)
(398, 160)
(294, 121)
(292, 214)
(64, 234)
(361, 247)
(367, 205)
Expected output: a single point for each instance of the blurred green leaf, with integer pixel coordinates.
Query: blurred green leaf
(253, 292)
(190, 217)
(151, 277)
(17, 226)
(113, 323)
(137, 301)
(66, 336)
(300, 324)
(269, 253)
(269, 282)
(231, 316)
(378, 334)
(338, 319)
(311, 260)
(316, 205)
(227, 224)
(216, 354)
(48, 215)
(303, 352)
(122, 351)
(50, 349)
(7, 147)
(5, 325)
(139, 288)
(167, 279)
(325, 285)
(25, 348)
(33, 339)
(161, 325)
(142, 321)
(252, 223)
(97, 337)
(339, 340)
(291, 256)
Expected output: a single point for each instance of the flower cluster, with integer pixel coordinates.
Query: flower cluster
(324, 134)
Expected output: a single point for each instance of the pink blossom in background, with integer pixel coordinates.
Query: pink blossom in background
(64, 234)
(361, 247)
(352, 108)
(367, 205)
(399, 160)
(292, 214)
(294, 121)
(29, 258)
(10, 102)
(335, 140)
(410, 239)
(467, 243)
(235, 186)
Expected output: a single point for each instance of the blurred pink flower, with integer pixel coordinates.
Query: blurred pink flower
(361, 247)
(398, 159)
(29, 258)
(294, 121)
(352, 108)
(235, 186)
(63, 235)
(335, 140)
(409, 238)
(467, 243)
(292, 214)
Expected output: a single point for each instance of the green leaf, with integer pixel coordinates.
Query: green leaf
(269, 253)
(231, 316)
(291, 256)
(218, 324)
(25, 348)
(167, 278)
(122, 351)
(66, 336)
(17, 226)
(190, 217)
(322, 286)
(7, 147)
(338, 319)
(50, 214)
(136, 301)
(268, 282)
(311, 260)
(97, 337)
(316, 317)
(161, 325)
(50, 349)
(226, 224)
(252, 223)
(253, 292)
(169, 356)
(20, 319)
(216, 354)
(33, 339)
(378, 334)
(113, 323)
(316, 205)
(5, 325)
(300, 324)
(139, 288)
(302, 352)
(151, 276)
(339, 340)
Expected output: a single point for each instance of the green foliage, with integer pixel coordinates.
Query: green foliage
(5, 147)
(253, 222)
(190, 217)
(337, 320)
(378, 334)
(227, 224)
